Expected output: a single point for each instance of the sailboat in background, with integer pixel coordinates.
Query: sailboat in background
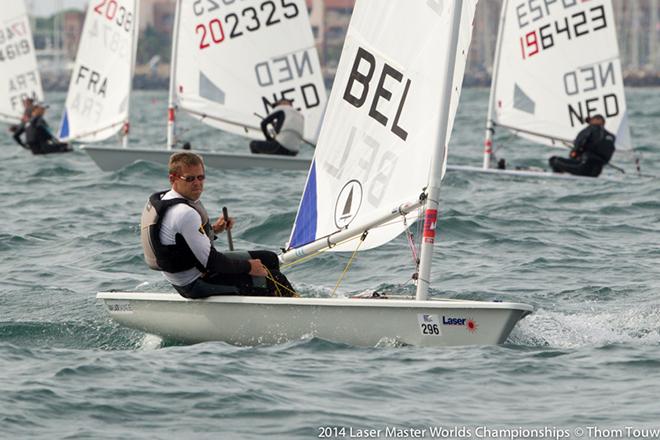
(230, 64)
(98, 101)
(380, 158)
(555, 65)
(19, 76)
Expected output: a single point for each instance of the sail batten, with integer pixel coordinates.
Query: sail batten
(555, 67)
(19, 76)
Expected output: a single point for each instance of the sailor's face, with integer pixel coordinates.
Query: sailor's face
(189, 182)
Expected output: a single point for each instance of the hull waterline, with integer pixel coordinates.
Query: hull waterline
(251, 321)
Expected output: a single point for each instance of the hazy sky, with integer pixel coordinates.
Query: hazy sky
(48, 7)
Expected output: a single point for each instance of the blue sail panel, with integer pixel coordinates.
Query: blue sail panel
(304, 230)
(64, 126)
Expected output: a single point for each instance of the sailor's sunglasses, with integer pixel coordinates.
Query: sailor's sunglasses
(191, 179)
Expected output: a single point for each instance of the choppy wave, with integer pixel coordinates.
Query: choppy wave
(586, 256)
(593, 325)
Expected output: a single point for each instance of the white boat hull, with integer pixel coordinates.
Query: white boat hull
(113, 158)
(532, 174)
(249, 321)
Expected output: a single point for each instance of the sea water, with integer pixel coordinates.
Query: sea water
(585, 254)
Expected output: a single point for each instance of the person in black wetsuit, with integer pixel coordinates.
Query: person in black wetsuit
(19, 128)
(177, 239)
(283, 129)
(592, 150)
(38, 136)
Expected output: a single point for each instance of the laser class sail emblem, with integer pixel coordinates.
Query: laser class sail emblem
(348, 203)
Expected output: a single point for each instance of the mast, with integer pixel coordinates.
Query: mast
(488, 140)
(487, 40)
(136, 30)
(431, 212)
(171, 139)
(634, 35)
(653, 36)
(317, 18)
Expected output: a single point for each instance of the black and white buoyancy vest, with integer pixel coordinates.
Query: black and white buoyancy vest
(169, 258)
(291, 133)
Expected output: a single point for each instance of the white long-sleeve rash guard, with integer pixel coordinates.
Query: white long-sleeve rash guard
(184, 220)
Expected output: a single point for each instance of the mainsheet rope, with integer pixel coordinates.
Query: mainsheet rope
(362, 237)
(350, 261)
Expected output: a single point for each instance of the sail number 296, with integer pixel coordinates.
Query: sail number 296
(430, 329)
(249, 19)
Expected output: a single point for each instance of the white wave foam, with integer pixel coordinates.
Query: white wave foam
(627, 324)
(151, 342)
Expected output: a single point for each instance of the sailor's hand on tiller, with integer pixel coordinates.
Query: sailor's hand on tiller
(257, 269)
(221, 225)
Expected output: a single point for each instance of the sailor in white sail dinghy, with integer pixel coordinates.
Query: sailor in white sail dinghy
(592, 150)
(19, 128)
(38, 135)
(283, 129)
(177, 239)
(429, 72)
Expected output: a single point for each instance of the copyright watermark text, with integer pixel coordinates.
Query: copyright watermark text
(484, 432)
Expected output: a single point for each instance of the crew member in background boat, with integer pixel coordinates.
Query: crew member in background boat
(177, 239)
(283, 129)
(38, 136)
(592, 150)
(19, 129)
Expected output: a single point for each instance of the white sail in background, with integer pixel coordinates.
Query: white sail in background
(558, 64)
(383, 119)
(19, 77)
(235, 59)
(97, 104)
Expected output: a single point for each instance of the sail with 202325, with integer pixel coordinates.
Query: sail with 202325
(231, 62)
